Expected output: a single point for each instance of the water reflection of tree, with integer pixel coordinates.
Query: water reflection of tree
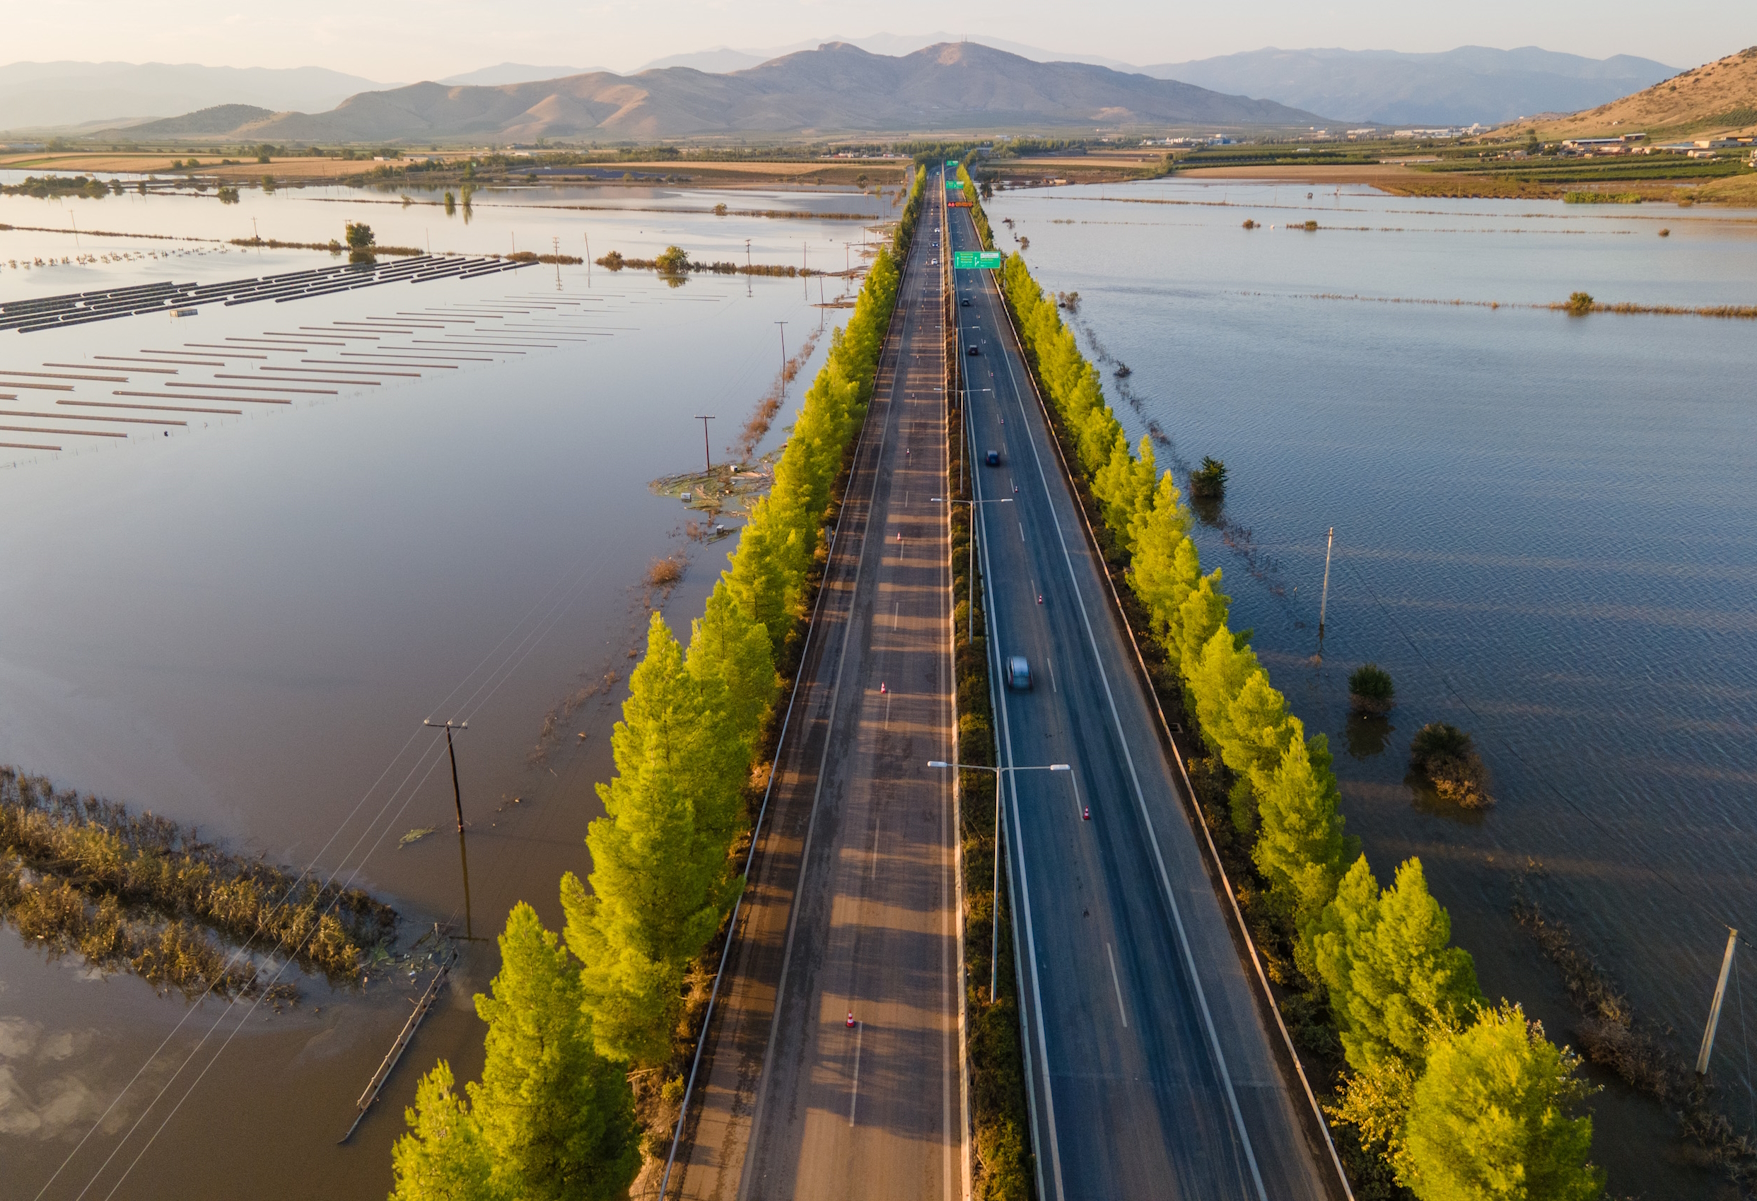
(1367, 735)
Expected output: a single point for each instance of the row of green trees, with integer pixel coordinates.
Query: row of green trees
(553, 1117)
(1461, 1099)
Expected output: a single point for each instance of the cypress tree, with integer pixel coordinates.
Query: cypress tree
(660, 876)
(1392, 974)
(442, 1157)
(1202, 613)
(1301, 848)
(1490, 1119)
(556, 1119)
(730, 661)
(1164, 567)
(1125, 487)
(758, 578)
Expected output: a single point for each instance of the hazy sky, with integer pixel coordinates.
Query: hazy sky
(406, 40)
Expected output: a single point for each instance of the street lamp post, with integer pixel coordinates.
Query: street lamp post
(995, 903)
(970, 568)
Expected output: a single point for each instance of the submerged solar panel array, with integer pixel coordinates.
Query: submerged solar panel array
(77, 308)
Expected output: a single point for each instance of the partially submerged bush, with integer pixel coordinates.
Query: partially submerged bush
(1209, 481)
(1370, 689)
(1579, 304)
(1447, 758)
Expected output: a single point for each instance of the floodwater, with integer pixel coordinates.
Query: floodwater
(241, 622)
(1546, 530)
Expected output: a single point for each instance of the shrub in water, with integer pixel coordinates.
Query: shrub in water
(1370, 689)
(1209, 482)
(1447, 757)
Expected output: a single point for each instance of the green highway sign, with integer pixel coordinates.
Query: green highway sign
(975, 260)
(951, 164)
(953, 185)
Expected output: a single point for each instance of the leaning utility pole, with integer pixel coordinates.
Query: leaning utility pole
(456, 796)
(1726, 967)
(1324, 601)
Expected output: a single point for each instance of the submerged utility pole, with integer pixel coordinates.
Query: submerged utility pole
(1324, 601)
(456, 796)
(783, 326)
(1726, 966)
(706, 453)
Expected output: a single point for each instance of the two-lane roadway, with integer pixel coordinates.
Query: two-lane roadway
(1151, 1071)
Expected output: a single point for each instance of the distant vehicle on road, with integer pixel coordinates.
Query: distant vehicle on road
(994, 458)
(964, 301)
(975, 349)
(1019, 673)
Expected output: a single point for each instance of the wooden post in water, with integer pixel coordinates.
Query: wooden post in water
(1324, 601)
(1726, 967)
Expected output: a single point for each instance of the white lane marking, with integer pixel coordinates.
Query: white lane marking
(1050, 663)
(854, 1093)
(873, 862)
(1021, 531)
(1017, 861)
(1141, 799)
(830, 725)
(1118, 984)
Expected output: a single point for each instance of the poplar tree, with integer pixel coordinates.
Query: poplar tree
(660, 878)
(443, 1156)
(1491, 1118)
(556, 1119)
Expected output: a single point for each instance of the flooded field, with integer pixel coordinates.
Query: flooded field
(341, 516)
(1544, 530)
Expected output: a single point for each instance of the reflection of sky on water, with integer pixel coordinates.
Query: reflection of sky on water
(1544, 531)
(243, 624)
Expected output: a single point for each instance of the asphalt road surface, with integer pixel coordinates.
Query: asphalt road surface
(1151, 1070)
(833, 1068)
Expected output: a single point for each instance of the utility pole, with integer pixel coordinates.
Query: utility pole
(747, 256)
(783, 326)
(257, 234)
(1726, 967)
(999, 836)
(706, 453)
(1324, 601)
(456, 795)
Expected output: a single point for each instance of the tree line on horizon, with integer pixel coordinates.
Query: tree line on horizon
(1451, 1097)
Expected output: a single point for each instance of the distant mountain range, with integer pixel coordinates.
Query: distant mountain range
(1457, 87)
(835, 89)
(723, 59)
(67, 94)
(517, 73)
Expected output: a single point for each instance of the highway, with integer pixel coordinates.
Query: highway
(1151, 1071)
(833, 1067)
